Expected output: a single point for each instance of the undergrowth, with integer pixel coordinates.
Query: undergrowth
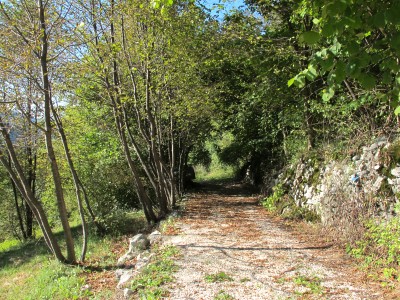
(270, 203)
(280, 203)
(218, 277)
(149, 283)
(29, 271)
(379, 249)
(222, 295)
(313, 283)
(218, 172)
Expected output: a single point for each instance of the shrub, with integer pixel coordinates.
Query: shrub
(380, 247)
(271, 202)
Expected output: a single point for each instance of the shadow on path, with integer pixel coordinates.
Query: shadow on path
(224, 188)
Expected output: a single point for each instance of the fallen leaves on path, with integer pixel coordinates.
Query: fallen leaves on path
(224, 231)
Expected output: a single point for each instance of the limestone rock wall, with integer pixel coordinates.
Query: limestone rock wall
(368, 182)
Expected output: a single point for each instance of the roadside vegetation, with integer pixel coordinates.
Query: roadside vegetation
(106, 104)
(150, 283)
(28, 271)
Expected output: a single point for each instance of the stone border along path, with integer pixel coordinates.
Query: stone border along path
(224, 232)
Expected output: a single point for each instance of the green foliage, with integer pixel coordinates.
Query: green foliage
(280, 203)
(310, 37)
(295, 212)
(380, 247)
(200, 156)
(222, 295)
(43, 279)
(218, 277)
(354, 41)
(8, 244)
(313, 283)
(118, 221)
(217, 168)
(149, 283)
(271, 202)
(36, 275)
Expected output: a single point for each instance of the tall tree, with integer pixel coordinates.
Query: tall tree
(134, 60)
(35, 49)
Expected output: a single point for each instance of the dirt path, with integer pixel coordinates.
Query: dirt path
(233, 249)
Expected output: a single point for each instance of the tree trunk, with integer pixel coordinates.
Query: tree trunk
(119, 122)
(24, 188)
(18, 209)
(154, 151)
(48, 137)
(77, 185)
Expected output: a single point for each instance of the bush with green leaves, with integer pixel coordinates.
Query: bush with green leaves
(380, 246)
(271, 202)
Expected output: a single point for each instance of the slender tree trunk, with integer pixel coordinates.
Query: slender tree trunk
(32, 183)
(118, 116)
(48, 137)
(154, 151)
(18, 209)
(75, 178)
(24, 188)
(172, 168)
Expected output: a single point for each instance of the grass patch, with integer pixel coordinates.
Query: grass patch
(313, 283)
(218, 277)
(42, 279)
(216, 172)
(149, 283)
(29, 271)
(8, 244)
(222, 295)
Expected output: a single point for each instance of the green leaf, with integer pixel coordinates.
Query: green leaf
(391, 64)
(353, 47)
(328, 29)
(309, 37)
(397, 111)
(327, 94)
(340, 71)
(333, 8)
(392, 14)
(311, 73)
(395, 41)
(327, 64)
(300, 80)
(379, 19)
(316, 21)
(386, 78)
(367, 81)
(335, 48)
(291, 81)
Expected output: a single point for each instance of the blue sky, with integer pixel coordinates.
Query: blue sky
(228, 5)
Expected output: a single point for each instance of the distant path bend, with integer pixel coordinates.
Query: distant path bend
(224, 231)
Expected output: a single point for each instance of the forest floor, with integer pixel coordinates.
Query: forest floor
(232, 248)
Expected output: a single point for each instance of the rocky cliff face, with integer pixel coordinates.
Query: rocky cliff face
(366, 183)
